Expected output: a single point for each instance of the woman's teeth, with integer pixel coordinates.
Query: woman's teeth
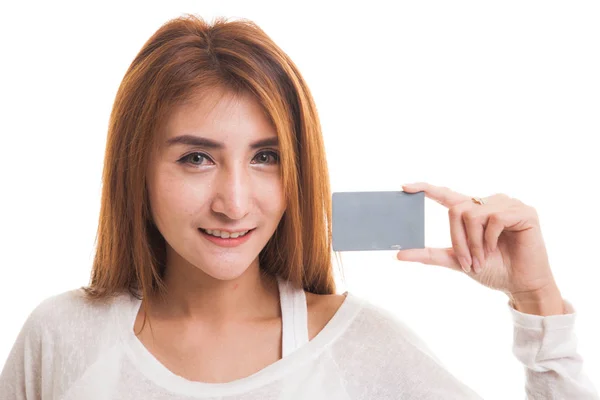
(224, 235)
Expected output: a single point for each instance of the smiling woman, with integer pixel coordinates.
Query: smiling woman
(228, 180)
(212, 276)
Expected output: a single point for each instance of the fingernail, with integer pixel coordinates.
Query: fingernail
(464, 263)
(476, 265)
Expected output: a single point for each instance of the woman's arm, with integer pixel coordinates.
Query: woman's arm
(21, 376)
(545, 343)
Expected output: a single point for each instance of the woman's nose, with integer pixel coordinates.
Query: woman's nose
(232, 197)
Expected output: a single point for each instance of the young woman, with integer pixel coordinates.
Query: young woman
(212, 276)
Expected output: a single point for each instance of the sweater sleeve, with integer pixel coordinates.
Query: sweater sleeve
(547, 347)
(21, 376)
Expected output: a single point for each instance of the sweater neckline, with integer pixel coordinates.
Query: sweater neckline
(302, 352)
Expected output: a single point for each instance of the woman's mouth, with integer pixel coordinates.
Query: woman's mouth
(226, 239)
(224, 234)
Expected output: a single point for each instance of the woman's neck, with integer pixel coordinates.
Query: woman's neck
(194, 296)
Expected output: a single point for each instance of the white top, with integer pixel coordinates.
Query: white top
(73, 349)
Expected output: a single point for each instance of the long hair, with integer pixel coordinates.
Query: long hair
(184, 57)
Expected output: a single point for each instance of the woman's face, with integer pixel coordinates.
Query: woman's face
(216, 172)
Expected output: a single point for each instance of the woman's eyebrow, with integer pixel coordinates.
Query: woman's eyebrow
(200, 141)
(192, 140)
(268, 142)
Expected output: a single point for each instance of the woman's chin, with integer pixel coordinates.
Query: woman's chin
(225, 270)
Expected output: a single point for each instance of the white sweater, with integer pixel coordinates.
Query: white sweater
(72, 349)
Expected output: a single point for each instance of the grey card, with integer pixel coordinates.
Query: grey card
(392, 220)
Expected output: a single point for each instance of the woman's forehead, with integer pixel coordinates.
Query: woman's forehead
(219, 117)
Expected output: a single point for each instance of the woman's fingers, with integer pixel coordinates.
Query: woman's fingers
(431, 256)
(495, 226)
(472, 239)
(475, 220)
(459, 237)
(443, 195)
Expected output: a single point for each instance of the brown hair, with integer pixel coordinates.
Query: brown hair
(185, 56)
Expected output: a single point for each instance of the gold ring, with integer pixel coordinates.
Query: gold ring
(478, 200)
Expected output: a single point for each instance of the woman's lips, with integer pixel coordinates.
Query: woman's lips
(229, 242)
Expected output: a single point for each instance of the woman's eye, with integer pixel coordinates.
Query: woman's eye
(267, 157)
(195, 159)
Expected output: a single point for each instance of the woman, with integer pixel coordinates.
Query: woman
(212, 276)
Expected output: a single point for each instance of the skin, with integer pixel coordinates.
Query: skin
(221, 320)
(498, 244)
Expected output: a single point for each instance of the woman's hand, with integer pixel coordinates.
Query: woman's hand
(499, 244)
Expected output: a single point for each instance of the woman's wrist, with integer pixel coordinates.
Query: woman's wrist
(545, 301)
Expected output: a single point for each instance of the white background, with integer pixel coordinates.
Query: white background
(482, 97)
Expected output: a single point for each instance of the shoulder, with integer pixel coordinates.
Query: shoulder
(69, 315)
(61, 337)
(52, 311)
(379, 353)
(371, 321)
(380, 334)
(380, 350)
(72, 304)
(71, 329)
